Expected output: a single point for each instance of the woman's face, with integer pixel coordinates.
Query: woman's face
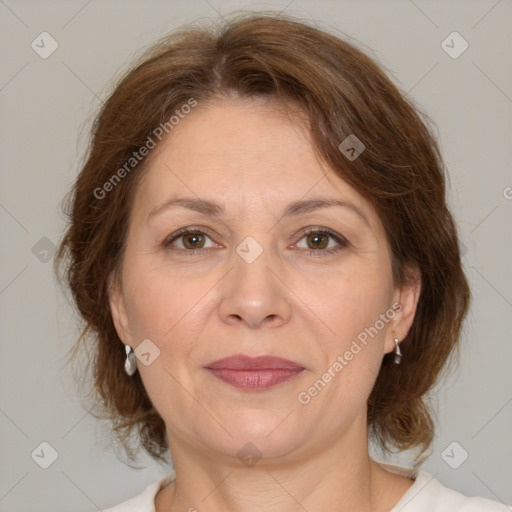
(251, 280)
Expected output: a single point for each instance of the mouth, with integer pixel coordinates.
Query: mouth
(254, 373)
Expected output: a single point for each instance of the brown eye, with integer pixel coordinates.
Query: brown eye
(317, 240)
(193, 240)
(321, 242)
(190, 240)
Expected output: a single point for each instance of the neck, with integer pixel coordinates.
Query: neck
(340, 476)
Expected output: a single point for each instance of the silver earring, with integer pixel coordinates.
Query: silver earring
(398, 354)
(130, 364)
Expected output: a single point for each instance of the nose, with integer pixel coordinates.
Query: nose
(255, 294)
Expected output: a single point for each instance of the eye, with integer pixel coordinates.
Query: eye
(189, 240)
(318, 243)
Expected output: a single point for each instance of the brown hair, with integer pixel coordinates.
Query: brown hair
(342, 91)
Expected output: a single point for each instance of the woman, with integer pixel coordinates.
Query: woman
(261, 248)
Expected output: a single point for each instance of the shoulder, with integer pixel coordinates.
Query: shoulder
(144, 501)
(427, 494)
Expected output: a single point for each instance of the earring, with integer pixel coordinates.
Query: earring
(130, 364)
(398, 354)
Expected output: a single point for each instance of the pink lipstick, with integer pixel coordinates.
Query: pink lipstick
(254, 373)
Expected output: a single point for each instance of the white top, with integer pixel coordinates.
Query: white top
(427, 494)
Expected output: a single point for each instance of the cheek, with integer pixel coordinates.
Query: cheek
(157, 301)
(356, 309)
(167, 310)
(354, 302)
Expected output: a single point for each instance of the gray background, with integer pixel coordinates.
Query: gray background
(47, 105)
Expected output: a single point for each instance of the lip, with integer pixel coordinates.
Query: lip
(254, 373)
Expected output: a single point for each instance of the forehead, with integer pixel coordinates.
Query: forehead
(249, 151)
(239, 134)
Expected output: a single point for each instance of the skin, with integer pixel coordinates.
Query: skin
(199, 307)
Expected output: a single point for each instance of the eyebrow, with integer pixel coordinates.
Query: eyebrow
(212, 208)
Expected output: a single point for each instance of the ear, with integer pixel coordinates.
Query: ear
(405, 302)
(118, 309)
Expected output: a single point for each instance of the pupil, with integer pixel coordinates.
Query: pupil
(317, 241)
(195, 237)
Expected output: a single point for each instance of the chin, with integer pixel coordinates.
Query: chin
(259, 434)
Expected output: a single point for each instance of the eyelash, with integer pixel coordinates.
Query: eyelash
(311, 252)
